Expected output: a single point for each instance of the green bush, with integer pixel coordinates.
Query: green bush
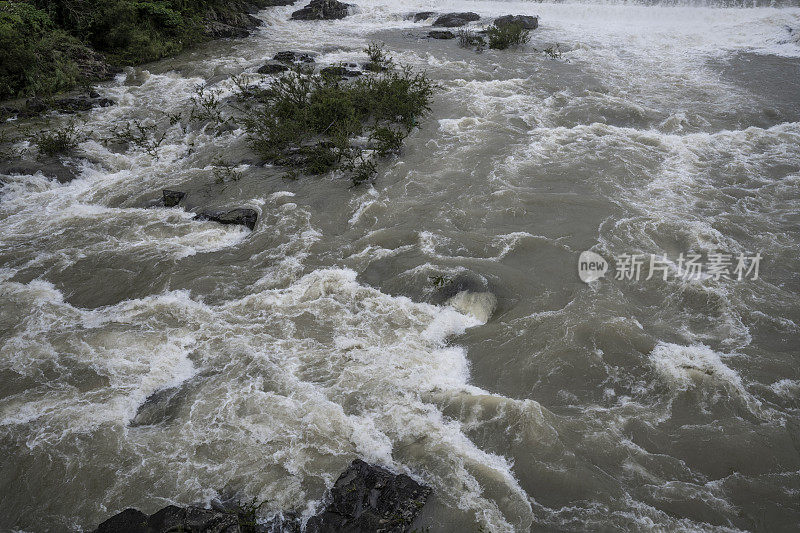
(59, 141)
(35, 56)
(310, 120)
(507, 35)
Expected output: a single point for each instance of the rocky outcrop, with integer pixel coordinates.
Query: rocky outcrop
(526, 21)
(365, 499)
(173, 518)
(368, 498)
(322, 10)
(172, 198)
(241, 217)
(454, 20)
(441, 34)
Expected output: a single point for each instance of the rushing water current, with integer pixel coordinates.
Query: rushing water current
(434, 323)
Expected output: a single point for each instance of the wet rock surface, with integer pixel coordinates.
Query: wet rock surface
(322, 10)
(370, 498)
(51, 167)
(242, 217)
(454, 20)
(365, 499)
(527, 22)
(423, 15)
(289, 57)
(273, 67)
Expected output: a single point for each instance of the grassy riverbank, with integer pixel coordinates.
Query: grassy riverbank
(48, 46)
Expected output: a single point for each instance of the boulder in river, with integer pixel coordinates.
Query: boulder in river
(290, 57)
(526, 21)
(241, 217)
(454, 20)
(424, 15)
(441, 34)
(322, 10)
(172, 198)
(128, 521)
(368, 498)
(273, 67)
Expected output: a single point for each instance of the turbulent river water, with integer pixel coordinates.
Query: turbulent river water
(529, 400)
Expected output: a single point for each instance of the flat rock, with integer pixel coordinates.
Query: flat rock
(526, 21)
(454, 20)
(322, 10)
(241, 217)
(441, 34)
(369, 498)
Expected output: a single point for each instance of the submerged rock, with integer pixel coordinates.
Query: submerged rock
(526, 21)
(441, 34)
(368, 498)
(172, 198)
(52, 167)
(242, 217)
(322, 10)
(454, 20)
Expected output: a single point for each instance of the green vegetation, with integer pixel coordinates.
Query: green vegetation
(47, 46)
(58, 141)
(507, 35)
(319, 123)
(467, 38)
(35, 56)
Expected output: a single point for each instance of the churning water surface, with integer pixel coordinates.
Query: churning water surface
(528, 399)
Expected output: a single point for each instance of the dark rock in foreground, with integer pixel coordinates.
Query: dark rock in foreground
(365, 499)
(322, 10)
(527, 22)
(128, 521)
(441, 34)
(454, 20)
(172, 198)
(241, 217)
(368, 498)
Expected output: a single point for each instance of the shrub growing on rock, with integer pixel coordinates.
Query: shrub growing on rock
(58, 141)
(507, 35)
(320, 122)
